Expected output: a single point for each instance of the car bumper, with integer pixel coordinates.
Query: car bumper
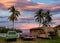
(11, 38)
(28, 37)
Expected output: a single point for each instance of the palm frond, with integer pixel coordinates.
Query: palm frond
(14, 14)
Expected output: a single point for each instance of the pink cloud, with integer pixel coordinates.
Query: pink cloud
(27, 26)
(57, 21)
(26, 17)
(40, 5)
(55, 7)
(27, 5)
(33, 25)
(53, 25)
(6, 2)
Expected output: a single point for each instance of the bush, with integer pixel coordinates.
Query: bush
(5, 30)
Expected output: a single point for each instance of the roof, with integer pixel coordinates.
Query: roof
(48, 29)
(36, 29)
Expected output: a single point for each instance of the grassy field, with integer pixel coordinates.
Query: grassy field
(2, 40)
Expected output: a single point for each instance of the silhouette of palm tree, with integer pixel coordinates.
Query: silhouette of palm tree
(47, 18)
(14, 14)
(43, 17)
(39, 16)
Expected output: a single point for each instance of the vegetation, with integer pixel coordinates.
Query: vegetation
(5, 30)
(39, 16)
(14, 14)
(43, 17)
(2, 40)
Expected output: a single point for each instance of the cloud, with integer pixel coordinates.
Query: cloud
(57, 2)
(27, 26)
(2, 6)
(7, 3)
(28, 5)
(57, 11)
(29, 0)
(55, 21)
(26, 17)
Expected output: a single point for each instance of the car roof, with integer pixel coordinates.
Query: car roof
(11, 31)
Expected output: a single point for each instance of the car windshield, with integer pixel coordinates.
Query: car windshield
(12, 33)
(26, 33)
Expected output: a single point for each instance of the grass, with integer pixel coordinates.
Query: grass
(2, 40)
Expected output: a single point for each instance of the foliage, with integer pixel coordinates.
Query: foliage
(39, 16)
(5, 30)
(14, 14)
(43, 17)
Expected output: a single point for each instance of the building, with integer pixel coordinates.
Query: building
(57, 30)
(42, 31)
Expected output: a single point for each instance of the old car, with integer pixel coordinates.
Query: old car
(27, 36)
(11, 35)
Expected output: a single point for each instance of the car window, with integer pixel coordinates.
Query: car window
(12, 33)
(26, 33)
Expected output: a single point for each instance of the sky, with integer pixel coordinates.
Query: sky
(28, 8)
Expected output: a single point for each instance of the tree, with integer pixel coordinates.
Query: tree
(47, 18)
(14, 14)
(39, 16)
(43, 17)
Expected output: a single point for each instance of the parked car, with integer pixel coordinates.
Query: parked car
(27, 36)
(11, 35)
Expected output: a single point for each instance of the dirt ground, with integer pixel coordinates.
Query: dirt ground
(2, 40)
(20, 41)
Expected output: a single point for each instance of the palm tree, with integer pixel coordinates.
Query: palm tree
(43, 17)
(47, 19)
(39, 16)
(14, 14)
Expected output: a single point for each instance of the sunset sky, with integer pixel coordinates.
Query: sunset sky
(28, 8)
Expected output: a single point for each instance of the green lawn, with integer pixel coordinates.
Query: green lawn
(2, 40)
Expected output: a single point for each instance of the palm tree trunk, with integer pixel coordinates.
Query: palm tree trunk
(13, 25)
(13, 21)
(39, 24)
